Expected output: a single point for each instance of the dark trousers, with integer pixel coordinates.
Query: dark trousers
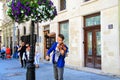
(21, 60)
(3, 55)
(24, 63)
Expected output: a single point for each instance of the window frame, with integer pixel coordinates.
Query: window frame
(89, 16)
(63, 5)
(86, 0)
(24, 30)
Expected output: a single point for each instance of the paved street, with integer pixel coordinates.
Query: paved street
(10, 70)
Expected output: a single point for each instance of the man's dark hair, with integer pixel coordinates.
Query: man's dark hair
(61, 36)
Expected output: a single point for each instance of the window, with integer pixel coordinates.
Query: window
(92, 20)
(64, 29)
(62, 5)
(49, 42)
(86, 0)
(24, 30)
(0, 39)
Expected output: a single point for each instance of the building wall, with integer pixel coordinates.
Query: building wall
(21, 26)
(110, 41)
(7, 34)
(6, 27)
(119, 22)
(74, 13)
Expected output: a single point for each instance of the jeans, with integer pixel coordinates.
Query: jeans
(58, 72)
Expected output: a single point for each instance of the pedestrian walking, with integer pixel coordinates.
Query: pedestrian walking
(8, 53)
(27, 51)
(37, 55)
(24, 59)
(58, 58)
(15, 55)
(3, 50)
(37, 59)
(21, 50)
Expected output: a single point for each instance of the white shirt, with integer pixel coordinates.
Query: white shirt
(57, 53)
(23, 57)
(28, 54)
(3, 48)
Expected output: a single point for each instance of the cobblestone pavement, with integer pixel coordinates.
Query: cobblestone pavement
(10, 70)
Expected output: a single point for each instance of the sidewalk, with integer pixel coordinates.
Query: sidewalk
(10, 70)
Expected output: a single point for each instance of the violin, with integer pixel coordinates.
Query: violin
(62, 47)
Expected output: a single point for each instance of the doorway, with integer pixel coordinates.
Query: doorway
(48, 40)
(92, 41)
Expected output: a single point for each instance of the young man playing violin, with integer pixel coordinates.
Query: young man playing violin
(58, 58)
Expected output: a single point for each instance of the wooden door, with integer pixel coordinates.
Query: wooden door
(45, 42)
(48, 41)
(92, 47)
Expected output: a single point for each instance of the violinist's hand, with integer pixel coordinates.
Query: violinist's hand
(47, 58)
(59, 47)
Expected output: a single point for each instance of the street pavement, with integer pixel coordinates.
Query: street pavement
(11, 70)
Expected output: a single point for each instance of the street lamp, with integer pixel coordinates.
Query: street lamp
(30, 75)
(36, 10)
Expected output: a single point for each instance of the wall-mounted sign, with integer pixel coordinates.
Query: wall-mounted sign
(110, 26)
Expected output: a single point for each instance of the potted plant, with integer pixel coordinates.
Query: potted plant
(37, 10)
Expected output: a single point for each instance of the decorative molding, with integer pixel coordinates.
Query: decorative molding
(63, 11)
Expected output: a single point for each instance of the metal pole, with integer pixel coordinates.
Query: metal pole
(37, 36)
(30, 75)
(13, 38)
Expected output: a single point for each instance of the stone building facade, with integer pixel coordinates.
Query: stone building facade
(91, 30)
(6, 26)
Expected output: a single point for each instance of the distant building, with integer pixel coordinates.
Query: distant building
(6, 26)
